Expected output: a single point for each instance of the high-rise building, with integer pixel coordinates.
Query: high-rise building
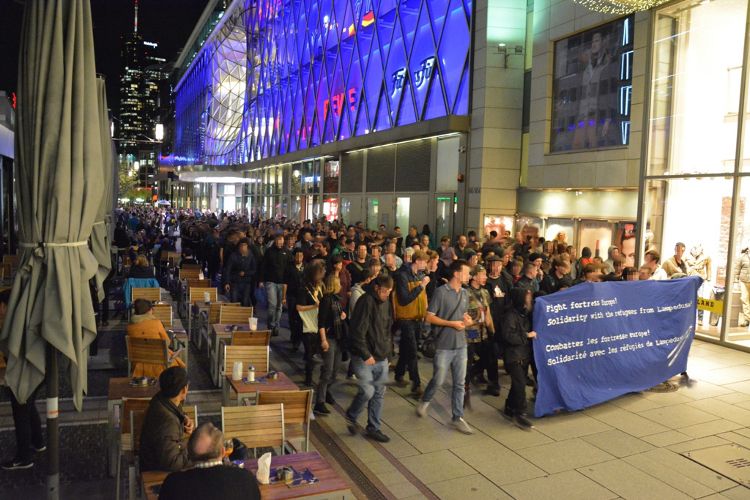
(142, 77)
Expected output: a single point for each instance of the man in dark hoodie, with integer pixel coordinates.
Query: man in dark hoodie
(272, 270)
(370, 345)
(516, 335)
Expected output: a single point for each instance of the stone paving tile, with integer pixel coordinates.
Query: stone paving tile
(569, 425)
(737, 493)
(437, 466)
(468, 487)
(710, 428)
(702, 390)
(667, 438)
(697, 444)
(404, 490)
(565, 485)
(673, 478)
(498, 464)
(633, 424)
(442, 437)
(678, 416)
(629, 482)
(564, 455)
(733, 437)
(688, 468)
(617, 443)
(635, 403)
(667, 399)
(390, 478)
(508, 434)
(724, 410)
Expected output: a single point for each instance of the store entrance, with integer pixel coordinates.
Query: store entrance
(445, 212)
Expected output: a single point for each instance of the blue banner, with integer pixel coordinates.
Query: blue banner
(597, 341)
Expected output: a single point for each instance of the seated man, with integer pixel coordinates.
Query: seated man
(187, 258)
(209, 478)
(162, 442)
(144, 324)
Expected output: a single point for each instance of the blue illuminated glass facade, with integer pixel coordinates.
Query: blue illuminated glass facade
(286, 75)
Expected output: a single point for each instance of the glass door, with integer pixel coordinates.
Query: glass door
(444, 212)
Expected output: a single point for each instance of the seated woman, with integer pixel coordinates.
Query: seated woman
(141, 269)
(145, 325)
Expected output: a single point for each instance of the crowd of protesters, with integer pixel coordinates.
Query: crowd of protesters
(351, 290)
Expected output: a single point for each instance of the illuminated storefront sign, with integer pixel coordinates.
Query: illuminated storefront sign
(281, 76)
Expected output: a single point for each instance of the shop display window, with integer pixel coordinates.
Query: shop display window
(697, 63)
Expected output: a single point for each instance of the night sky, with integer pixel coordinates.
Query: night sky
(168, 22)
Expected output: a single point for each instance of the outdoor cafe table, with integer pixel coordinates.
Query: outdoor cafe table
(216, 334)
(120, 388)
(247, 391)
(330, 485)
(198, 307)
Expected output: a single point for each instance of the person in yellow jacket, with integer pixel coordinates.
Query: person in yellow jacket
(144, 324)
(409, 310)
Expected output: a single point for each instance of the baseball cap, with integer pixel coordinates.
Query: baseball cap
(477, 269)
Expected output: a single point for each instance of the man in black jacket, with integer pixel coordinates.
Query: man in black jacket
(370, 345)
(292, 282)
(240, 271)
(516, 335)
(163, 446)
(272, 277)
(528, 280)
(209, 478)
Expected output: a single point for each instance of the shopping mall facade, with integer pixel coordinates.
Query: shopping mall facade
(539, 116)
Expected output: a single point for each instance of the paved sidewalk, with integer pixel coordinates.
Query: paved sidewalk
(627, 448)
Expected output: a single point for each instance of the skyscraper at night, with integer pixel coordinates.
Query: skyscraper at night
(139, 100)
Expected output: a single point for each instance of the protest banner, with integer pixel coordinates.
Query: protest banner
(597, 341)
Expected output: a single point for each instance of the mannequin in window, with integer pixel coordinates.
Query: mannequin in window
(742, 280)
(699, 264)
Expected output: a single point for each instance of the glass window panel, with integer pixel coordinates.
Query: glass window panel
(695, 94)
(402, 212)
(372, 212)
(345, 209)
(672, 216)
(331, 179)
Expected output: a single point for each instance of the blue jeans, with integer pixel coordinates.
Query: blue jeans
(456, 360)
(372, 395)
(275, 293)
(240, 292)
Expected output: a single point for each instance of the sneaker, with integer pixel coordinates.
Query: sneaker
(321, 409)
(422, 409)
(401, 381)
(492, 390)
(39, 449)
(275, 332)
(378, 436)
(351, 425)
(330, 400)
(461, 426)
(417, 393)
(17, 464)
(351, 377)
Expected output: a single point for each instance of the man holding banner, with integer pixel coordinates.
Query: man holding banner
(599, 341)
(516, 335)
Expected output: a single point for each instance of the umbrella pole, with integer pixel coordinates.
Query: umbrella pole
(53, 429)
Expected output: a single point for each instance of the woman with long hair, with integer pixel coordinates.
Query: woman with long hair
(332, 330)
(308, 302)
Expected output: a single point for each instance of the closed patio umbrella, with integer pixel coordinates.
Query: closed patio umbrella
(59, 180)
(101, 233)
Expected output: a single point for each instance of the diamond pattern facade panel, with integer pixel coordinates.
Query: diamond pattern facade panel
(285, 75)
